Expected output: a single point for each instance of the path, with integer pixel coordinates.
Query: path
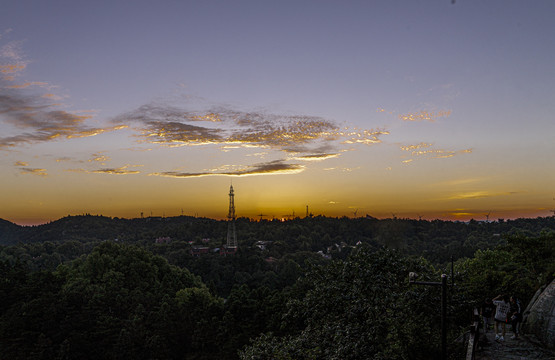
(523, 348)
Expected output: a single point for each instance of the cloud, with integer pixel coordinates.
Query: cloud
(33, 171)
(423, 150)
(415, 147)
(33, 117)
(124, 170)
(51, 96)
(462, 214)
(27, 84)
(424, 115)
(99, 158)
(367, 137)
(440, 154)
(317, 157)
(12, 61)
(269, 168)
(117, 171)
(342, 169)
(24, 169)
(172, 126)
(39, 121)
(478, 195)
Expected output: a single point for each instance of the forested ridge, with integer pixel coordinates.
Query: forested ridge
(312, 288)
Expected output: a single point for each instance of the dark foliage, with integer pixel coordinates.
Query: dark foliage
(103, 288)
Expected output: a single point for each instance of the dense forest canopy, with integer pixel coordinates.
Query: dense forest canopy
(312, 288)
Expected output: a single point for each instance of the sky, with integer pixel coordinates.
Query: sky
(433, 109)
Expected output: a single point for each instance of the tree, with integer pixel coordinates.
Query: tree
(355, 309)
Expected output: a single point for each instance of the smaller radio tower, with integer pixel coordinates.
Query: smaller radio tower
(231, 235)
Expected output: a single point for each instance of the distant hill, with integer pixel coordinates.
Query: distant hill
(87, 228)
(9, 232)
(436, 240)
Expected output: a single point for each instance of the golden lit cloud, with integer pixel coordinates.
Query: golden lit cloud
(117, 171)
(368, 137)
(99, 158)
(317, 157)
(21, 163)
(415, 150)
(343, 169)
(462, 214)
(33, 171)
(229, 128)
(478, 195)
(124, 170)
(415, 147)
(270, 168)
(207, 117)
(425, 116)
(259, 154)
(94, 132)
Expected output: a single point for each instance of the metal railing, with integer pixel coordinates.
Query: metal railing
(474, 336)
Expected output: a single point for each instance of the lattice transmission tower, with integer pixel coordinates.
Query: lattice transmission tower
(231, 235)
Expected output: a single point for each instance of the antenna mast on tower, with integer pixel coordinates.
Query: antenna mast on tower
(231, 235)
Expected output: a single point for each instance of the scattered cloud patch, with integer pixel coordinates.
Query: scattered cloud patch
(117, 171)
(425, 115)
(368, 137)
(12, 60)
(230, 128)
(33, 171)
(415, 147)
(26, 85)
(25, 169)
(423, 150)
(124, 170)
(99, 158)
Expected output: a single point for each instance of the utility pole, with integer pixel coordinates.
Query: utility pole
(443, 284)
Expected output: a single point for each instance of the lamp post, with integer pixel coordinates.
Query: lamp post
(443, 284)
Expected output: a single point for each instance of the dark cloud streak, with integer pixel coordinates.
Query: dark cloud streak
(273, 167)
